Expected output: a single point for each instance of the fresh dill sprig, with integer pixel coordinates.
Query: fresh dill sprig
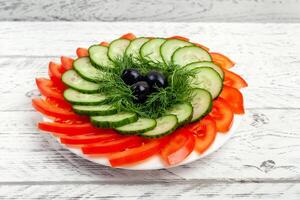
(120, 94)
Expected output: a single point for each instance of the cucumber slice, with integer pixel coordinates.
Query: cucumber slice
(86, 70)
(201, 102)
(183, 112)
(169, 47)
(78, 98)
(113, 121)
(117, 48)
(95, 110)
(208, 79)
(140, 126)
(98, 56)
(194, 65)
(133, 48)
(164, 125)
(151, 50)
(187, 55)
(73, 80)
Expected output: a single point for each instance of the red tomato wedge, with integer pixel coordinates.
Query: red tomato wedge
(222, 60)
(66, 62)
(136, 154)
(222, 114)
(179, 38)
(128, 36)
(89, 139)
(105, 44)
(47, 88)
(55, 72)
(112, 146)
(234, 80)
(234, 98)
(205, 132)
(82, 52)
(180, 145)
(51, 110)
(59, 103)
(202, 46)
(70, 129)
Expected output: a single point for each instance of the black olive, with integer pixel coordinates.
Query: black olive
(131, 76)
(141, 90)
(156, 79)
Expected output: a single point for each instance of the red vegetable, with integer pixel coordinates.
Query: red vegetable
(234, 98)
(234, 80)
(106, 44)
(222, 60)
(179, 38)
(66, 62)
(202, 46)
(82, 52)
(55, 72)
(205, 132)
(47, 88)
(128, 36)
(180, 145)
(222, 114)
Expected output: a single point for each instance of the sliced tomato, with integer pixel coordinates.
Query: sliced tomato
(53, 111)
(82, 52)
(112, 146)
(55, 72)
(105, 44)
(202, 46)
(234, 98)
(59, 103)
(47, 88)
(234, 80)
(136, 154)
(128, 36)
(179, 38)
(66, 62)
(222, 114)
(89, 138)
(180, 145)
(205, 132)
(222, 60)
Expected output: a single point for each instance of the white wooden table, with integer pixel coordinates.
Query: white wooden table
(261, 161)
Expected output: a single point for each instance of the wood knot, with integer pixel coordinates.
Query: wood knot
(33, 93)
(259, 120)
(267, 166)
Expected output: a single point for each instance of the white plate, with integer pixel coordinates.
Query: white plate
(155, 162)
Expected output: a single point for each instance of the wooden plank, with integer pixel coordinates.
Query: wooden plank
(166, 191)
(264, 148)
(158, 10)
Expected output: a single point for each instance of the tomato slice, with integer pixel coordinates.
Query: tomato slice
(205, 132)
(66, 62)
(222, 60)
(179, 38)
(51, 110)
(112, 146)
(128, 36)
(222, 114)
(89, 138)
(55, 72)
(82, 52)
(234, 98)
(136, 154)
(180, 145)
(234, 80)
(105, 44)
(202, 46)
(47, 88)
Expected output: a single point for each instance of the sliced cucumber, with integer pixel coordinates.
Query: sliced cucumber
(208, 79)
(113, 121)
(151, 50)
(95, 110)
(86, 70)
(78, 98)
(140, 126)
(73, 80)
(187, 55)
(170, 46)
(183, 112)
(201, 102)
(98, 56)
(133, 48)
(164, 125)
(206, 64)
(117, 48)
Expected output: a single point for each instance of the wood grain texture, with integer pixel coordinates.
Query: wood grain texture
(156, 10)
(166, 191)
